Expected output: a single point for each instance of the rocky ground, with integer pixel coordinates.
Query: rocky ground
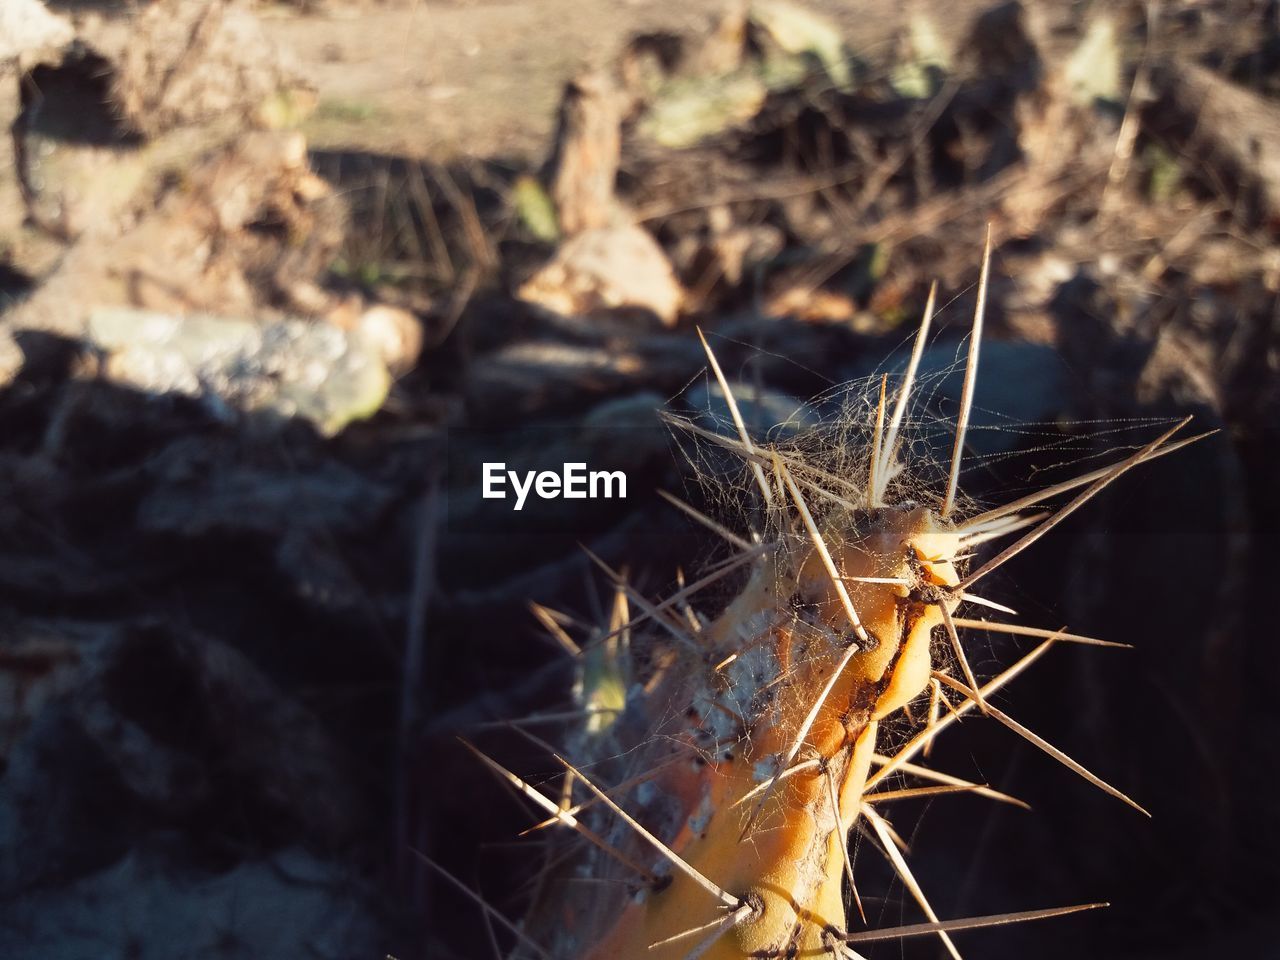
(266, 312)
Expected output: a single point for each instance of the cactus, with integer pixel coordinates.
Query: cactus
(748, 746)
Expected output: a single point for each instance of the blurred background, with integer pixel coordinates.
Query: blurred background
(276, 279)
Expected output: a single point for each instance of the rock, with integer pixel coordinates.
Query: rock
(626, 430)
(151, 906)
(11, 357)
(158, 727)
(201, 491)
(27, 29)
(29, 34)
(120, 111)
(275, 371)
(36, 666)
(198, 251)
(190, 61)
(567, 369)
(767, 413)
(1019, 384)
(613, 268)
(394, 334)
(528, 377)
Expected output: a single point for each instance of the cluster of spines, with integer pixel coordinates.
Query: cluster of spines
(783, 482)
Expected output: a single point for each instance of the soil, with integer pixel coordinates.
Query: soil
(483, 78)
